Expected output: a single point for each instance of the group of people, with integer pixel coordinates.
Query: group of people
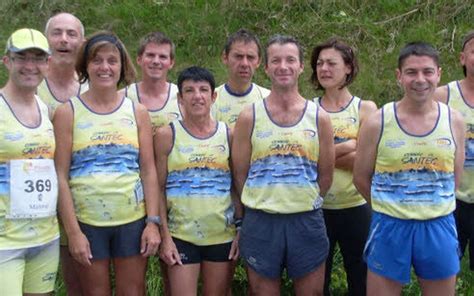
(202, 175)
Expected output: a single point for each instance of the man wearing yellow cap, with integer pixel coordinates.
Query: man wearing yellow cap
(29, 235)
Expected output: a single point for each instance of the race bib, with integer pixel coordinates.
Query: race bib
(33, 188)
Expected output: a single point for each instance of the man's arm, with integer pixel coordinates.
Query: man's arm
(326, 152)
(242, 149)
(364, 163)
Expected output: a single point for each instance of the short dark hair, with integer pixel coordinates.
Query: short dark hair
(418, 48)
(196, 74)
(96, 42)
(245, 36)
(157, 38)
(469, 36)
(347, 54)
(282, 40)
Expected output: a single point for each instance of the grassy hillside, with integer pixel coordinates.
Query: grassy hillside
(377, 29)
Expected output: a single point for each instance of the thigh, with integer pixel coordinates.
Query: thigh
(354, 230)
(165, 278)
(216, 277)
(126, 239)
(378, 285)
(41, 268)
(260, 285)
(307, 243)
(445, 287)
(12, 268)
(130, 275)
(184, 279)
(388, 251)
(310, 284)
(95, 279)
(262, 243)
(435, 250)
(69, 272)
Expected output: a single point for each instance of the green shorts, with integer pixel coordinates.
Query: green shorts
(29, 270)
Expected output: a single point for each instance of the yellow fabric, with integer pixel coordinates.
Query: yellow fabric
(20, 142)
(45, 94)
(283, 171)
(457, 101)
(228, 106)
(104, 174)
(345, 123)
(200, 209)
(166, 114)
(414, 175)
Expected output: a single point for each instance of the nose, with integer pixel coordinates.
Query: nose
(245, 61)
(420, 77)
(64, 37)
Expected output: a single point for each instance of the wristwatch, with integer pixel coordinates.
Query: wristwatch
(153, 219)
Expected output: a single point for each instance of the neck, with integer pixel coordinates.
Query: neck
(102, 96)
(468, 82)
(152, 86)
(286, 98)
(61, 73)
(413, 107)
(202, 125)
(238, 88)
(20, 95)
(337, 96)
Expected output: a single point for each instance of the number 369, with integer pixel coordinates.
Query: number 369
(38, 186)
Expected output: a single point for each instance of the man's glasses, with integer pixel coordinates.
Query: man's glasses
(23, 60)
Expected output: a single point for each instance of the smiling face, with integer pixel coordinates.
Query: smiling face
(156, 61)
(65, 37)
(419, 76)
(196, 97)
(241, 61)
(331, 69)
(104, 68)
(26, 68)
(283, 65)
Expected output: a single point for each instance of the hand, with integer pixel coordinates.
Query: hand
(169, 253)
(234, 249)
(80, 249)
(150, 240)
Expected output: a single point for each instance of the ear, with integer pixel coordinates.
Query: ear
(179, 97)
(398, 74)
(462, 58)
(171, 63)
(214, 96)
(6, 61)
(139, 60)
(224, 58)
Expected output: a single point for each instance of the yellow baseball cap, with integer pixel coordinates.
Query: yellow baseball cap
(24, 39)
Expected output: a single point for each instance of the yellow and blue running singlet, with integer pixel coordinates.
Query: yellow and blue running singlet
(164, 115)
(345, 123)
(283, 171)
(200, 209)
(456, 100)
(47, 96)
(104, 175)
(228, 104)
(26, 144)
(414, 175)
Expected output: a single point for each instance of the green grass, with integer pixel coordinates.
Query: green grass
(377, 29)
